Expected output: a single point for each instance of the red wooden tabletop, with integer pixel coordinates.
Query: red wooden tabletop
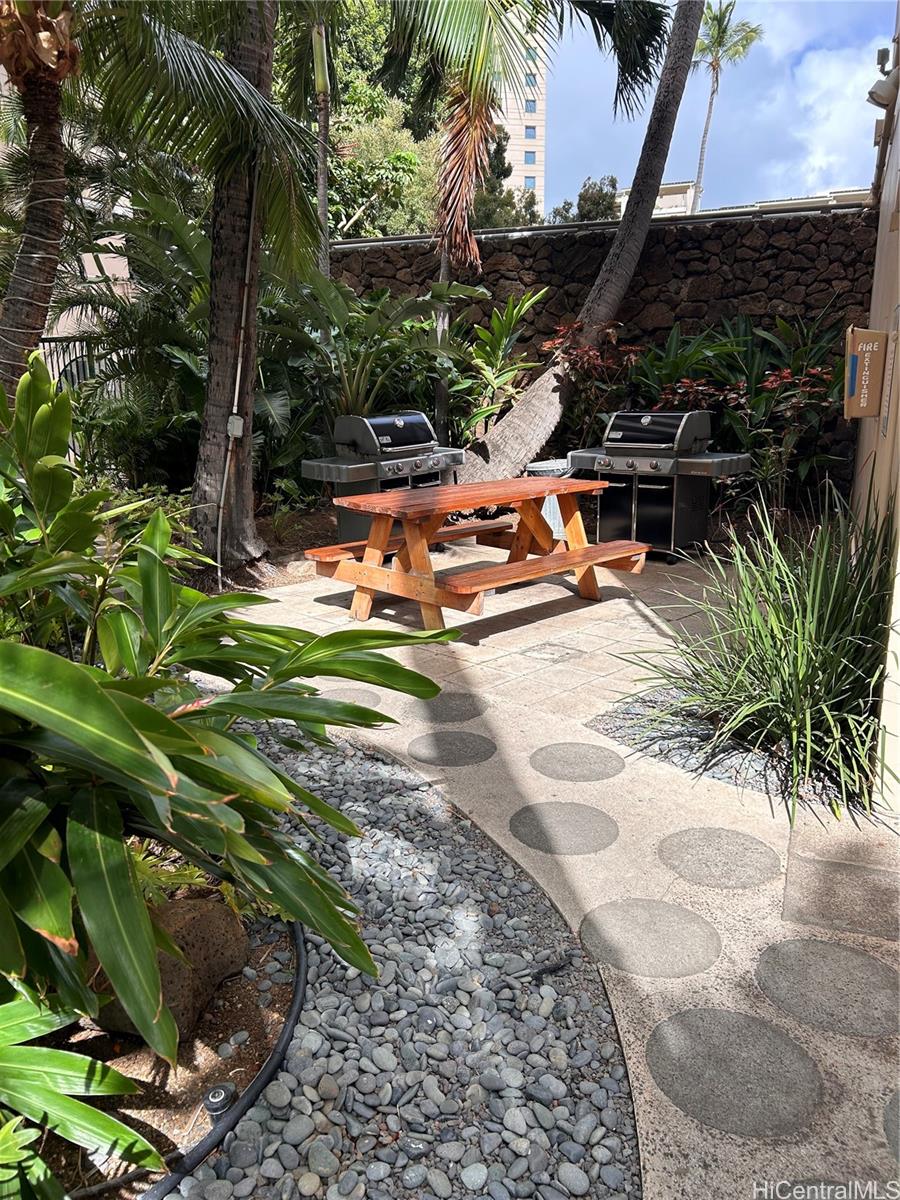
(415, 504)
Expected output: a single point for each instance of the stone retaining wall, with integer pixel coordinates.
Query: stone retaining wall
(764, 265)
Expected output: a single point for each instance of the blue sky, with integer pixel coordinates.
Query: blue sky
(791, 120)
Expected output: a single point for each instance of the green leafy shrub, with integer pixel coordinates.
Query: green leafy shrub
(775, 395)
(117, 743)
(488, 367)
(791, 656)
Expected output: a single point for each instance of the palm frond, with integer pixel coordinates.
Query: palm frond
(173, 93)
(468, 129)
(635, 32)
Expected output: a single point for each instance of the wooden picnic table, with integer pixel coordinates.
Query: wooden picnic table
(421, 513)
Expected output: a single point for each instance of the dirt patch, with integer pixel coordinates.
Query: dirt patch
(168, 1110)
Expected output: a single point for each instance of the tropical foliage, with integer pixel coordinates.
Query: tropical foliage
(107, 742)
(791, 652)
(774, 393)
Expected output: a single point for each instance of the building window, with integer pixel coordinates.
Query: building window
(531, 132)
(530, 79)
(530, 182)
(531, 106)
(531, 53)
(530, 158)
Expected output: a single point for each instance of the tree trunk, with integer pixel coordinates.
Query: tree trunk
(24, 311)
(519, 436)
(698, 182)
(223, 483)
(323, 121)
(441, 390)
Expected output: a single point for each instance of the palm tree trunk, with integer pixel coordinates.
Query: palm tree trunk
(442, 329)
(698, 182)
(323, 121)
(27, 299)
(519, 436)
(223, 484)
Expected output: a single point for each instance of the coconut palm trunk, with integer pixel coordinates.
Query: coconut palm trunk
(520, 435)
(701, 162)
(30, 287)
(323, 123)
(223, 485)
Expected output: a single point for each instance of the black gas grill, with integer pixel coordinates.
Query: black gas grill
(658, 470)
(373, 454)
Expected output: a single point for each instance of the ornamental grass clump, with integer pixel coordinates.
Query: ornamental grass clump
(793, 649)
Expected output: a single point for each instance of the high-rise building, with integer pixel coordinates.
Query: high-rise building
(524, 118)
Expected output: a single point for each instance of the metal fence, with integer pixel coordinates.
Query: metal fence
(69, 359)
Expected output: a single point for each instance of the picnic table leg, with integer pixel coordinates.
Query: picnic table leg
(534, 528)
(576, 539)
(379, 535)
(420, 564)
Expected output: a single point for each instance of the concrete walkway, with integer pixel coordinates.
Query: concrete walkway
(752, 970)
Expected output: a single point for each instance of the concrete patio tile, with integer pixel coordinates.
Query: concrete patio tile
(478, 677)
(842, 896)
(531, 686)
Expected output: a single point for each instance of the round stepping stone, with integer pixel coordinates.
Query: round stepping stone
(450, 708)
(577, 762)
(734, 1072)
(830, 986)
(720, 858)
(363, 696)
(650, 938)
(892, 1124)
(450, 748)
(556, 827)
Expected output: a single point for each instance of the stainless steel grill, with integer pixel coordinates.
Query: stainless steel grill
(375, 453)
(658, 470)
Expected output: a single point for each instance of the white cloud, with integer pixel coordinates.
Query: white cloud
(824, 104)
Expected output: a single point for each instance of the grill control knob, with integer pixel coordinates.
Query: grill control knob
(436, 461)
(605, 462)
(418, 464)
(629, 463)
(654, 465)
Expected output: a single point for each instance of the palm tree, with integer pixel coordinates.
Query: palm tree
(153, 70)
(474, 51)
(722, 40)
(517, 437)
(312, 26)
(222, 497)
(38, 53)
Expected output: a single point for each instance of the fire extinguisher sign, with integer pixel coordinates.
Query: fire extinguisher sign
(864, 371)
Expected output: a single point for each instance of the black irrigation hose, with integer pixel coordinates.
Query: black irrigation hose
(185, 1164)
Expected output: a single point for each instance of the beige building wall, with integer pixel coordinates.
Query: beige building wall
(526, 152)
(878, 445)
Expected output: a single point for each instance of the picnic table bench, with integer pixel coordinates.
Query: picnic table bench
(534, 551)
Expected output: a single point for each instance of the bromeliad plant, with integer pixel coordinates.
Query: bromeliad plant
(794, 647)
(115, 742)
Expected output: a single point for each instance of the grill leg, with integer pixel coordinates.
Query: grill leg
(379, 535)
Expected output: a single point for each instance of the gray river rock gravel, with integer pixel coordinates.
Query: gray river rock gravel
(483, 1064)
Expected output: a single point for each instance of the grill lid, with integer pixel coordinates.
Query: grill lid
(389, 433)
(663, 432)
